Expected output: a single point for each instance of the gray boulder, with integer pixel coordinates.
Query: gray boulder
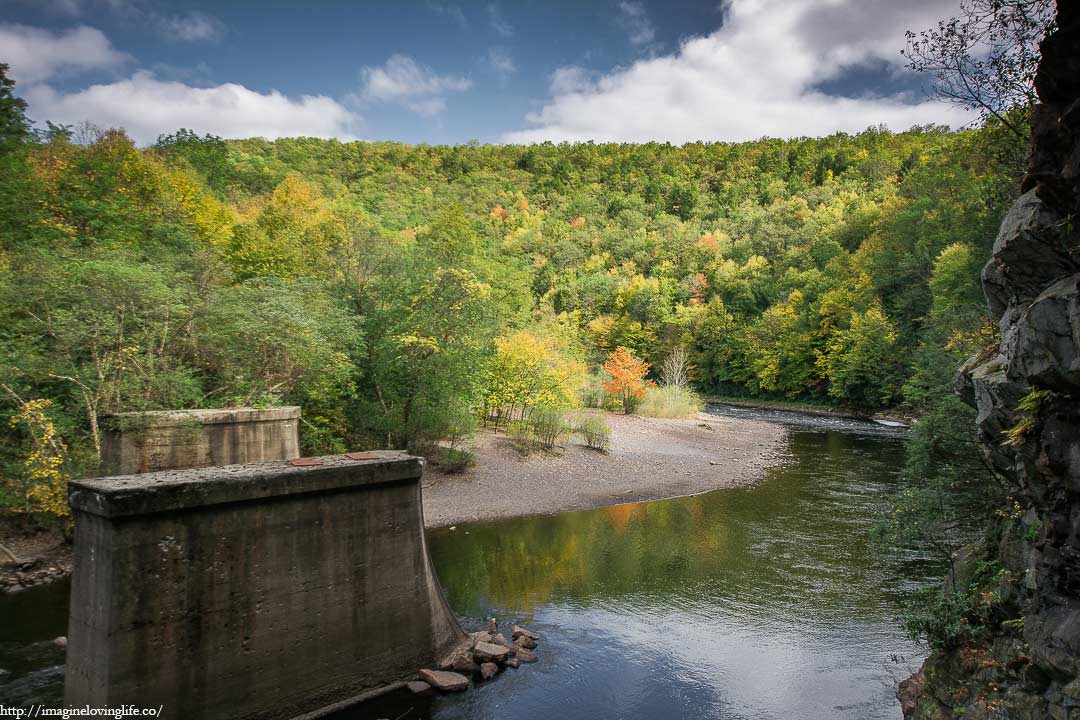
(490, 652)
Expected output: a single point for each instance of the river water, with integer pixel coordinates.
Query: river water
(759, 602)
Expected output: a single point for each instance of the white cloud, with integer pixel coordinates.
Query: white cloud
(634, 19)
(192, 27)
(497, 22)
(36, 55)
(450, 10)
(147, 107)
(572, 79)
(755, 76)
(403, 81)
(500, 62)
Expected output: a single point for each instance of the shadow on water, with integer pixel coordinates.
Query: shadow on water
(760, 602)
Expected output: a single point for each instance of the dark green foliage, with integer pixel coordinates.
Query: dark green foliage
(14, 125)
(948, 618)
(207, 154)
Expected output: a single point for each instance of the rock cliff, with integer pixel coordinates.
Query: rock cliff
(1027, 394)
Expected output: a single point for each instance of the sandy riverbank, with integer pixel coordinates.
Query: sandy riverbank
(650, 458)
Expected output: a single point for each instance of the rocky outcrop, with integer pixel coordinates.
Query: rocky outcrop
(1027, 394)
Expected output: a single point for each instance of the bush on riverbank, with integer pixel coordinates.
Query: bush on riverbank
(595, 431)
(451, 460)
(547, 426)
(541, 429)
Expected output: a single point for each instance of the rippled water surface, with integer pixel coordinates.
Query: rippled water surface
(31, 666)
(761, 602)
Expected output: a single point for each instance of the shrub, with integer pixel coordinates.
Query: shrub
(42, 484)
(519, 433)
(547, 426)
(670, 402)
(595, 431)
(947, 619)
(941, 618)
(452, 460)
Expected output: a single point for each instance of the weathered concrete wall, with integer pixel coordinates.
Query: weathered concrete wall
(140, 442)
(252, 591)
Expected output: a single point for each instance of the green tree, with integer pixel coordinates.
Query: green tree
(860, 362)
(208, 155)
(268, 342)
(108, 330)
(15, 128)
(432, 356)
(292, 235)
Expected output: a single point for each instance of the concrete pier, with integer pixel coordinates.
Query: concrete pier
(252, 591)
(140, 442)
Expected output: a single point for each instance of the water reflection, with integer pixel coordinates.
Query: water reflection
(763, 602)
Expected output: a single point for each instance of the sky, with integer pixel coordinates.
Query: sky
(440, 72)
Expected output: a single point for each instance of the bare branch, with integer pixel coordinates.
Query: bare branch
(985, 59)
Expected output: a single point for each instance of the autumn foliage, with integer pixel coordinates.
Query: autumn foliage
(627, 381)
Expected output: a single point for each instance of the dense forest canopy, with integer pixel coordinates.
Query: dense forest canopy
(398, 293)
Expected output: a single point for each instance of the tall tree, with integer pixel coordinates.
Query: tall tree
(15, 127)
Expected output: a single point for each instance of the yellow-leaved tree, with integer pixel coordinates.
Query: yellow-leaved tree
(43, 485)
(529, 371)
(289, 236)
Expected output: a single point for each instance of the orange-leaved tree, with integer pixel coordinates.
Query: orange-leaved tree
(627, 381)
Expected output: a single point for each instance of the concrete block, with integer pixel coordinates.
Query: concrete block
(252, 591)
(140, 442)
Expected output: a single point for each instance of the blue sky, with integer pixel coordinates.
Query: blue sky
(445, 72)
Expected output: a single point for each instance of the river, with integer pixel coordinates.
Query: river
(760, 602)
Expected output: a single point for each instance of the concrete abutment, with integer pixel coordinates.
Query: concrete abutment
(252, 591)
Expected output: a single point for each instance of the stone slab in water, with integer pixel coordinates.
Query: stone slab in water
(490, 652)
(444, 680)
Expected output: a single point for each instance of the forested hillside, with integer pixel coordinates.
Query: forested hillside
(402, 293)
